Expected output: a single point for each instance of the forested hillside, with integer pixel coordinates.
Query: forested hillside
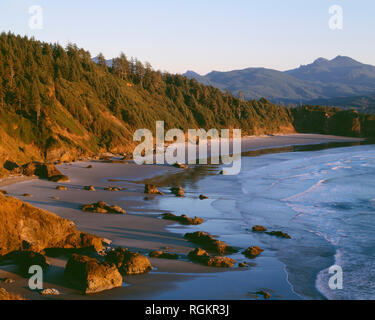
(56, 103)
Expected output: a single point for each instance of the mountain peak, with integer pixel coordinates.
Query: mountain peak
(191, 74)
(320, 60)
(344, 61)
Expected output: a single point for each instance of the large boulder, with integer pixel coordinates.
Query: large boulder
(23, 226)
(42, 170)
(25, 259)
(209, 243)
(91, 276)
(252, 252)
(183, 219)
(128, 262)
(201, 256)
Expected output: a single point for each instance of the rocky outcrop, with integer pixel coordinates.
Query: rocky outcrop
(128, 262)
(151, 189)
(209, 243)
(25, 259)
(178, 191)
(91, 276)
(163, 255)
(24, 227)
(252, 252)
(279, 234)
(102, 207)
(183, 219)
(201, 256)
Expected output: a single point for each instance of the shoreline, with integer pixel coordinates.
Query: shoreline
(140, 230)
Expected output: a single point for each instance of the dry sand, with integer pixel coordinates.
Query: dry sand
(140, 230)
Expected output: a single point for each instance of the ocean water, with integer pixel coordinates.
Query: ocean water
(324, 199)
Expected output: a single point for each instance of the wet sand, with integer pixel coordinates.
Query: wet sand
(140, 230)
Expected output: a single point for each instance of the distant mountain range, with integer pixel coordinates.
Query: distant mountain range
(323, 79)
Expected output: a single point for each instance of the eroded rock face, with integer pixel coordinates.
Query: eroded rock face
(24, 227)
(151, 189)
(209, 243)
(252, 252)
(91, 276)
(102, 207)
(128, 262)
(183, 219)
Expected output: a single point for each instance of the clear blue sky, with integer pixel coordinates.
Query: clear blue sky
(203, 35)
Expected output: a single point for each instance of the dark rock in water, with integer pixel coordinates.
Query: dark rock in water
(198, 255)
(264, 294)
(201, 256)
(102, 207)
(202, 197)
(151, 189)
(220, 262)
(25, 259)
(59, 178)
(259, 229)
(242, 265)
(252, 252)
(128, 262)
(163, 255)
(279, 234)
(89, 188)
(178, 191)
(209, 243)
(183, 219)
(91, 276)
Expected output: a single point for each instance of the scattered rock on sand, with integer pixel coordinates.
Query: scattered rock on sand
(8, 280)
(259, 229)
(178, 191)
(61, 188)
(163, 255)
(112, 189)
(89, 188)
(50, 292)
(59, 178)
(279, 234)
(5, 295)
(202, 197)
(91, 276)
(27, 195)
(209, 243)
(183, 219)
(128, 262)
(89, 167)
(180, 166)
(102, 207)
(252, 252)
(151, 189)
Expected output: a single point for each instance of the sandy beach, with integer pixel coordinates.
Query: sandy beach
(141, 229)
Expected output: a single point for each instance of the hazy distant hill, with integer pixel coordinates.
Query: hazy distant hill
(322, 79)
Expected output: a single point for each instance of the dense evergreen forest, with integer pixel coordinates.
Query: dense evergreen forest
(56, 103)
